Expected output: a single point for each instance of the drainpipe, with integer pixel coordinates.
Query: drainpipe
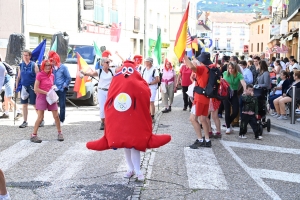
(145, 26)
(22, 19)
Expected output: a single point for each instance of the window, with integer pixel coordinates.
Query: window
(113, 16)
(257, 47)
(217, 30)
(262, 28)
(228, 44)
(258, 29)
(228, 30)
(251, 47)
(158, 20)
(242, 31)
(150, 20)
(136, 8)
(217, 43)
(262, 47)
(98, 11)
(241, 44)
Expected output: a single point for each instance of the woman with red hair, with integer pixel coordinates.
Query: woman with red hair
(43, 84)
(167, 86)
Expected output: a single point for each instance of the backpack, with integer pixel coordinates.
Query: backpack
(100, 71)
(9, 69)
(153, 76)
(213, 85)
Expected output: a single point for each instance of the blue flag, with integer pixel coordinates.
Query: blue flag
(38, 52)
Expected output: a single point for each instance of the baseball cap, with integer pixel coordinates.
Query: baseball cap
(149, 60)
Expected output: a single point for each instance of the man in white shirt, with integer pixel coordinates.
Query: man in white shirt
(151, 76)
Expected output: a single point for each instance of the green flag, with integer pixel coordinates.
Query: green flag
(54, 45)
(157, 48)
(97, 50)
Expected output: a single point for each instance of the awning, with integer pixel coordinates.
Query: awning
(295, 16)
(275, 37)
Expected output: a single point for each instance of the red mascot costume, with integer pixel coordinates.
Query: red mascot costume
(128, 121)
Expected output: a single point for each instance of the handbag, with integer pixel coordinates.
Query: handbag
(51, 97)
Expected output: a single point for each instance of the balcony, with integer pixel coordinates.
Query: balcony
(136, 27)
(294, 10)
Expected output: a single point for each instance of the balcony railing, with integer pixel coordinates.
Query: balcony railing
(136, 27)
(293, 6)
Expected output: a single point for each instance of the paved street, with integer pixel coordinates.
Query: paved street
(232, 169)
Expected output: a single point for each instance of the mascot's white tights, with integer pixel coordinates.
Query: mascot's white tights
(133, 159)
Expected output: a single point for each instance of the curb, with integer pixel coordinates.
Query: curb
(286, 130)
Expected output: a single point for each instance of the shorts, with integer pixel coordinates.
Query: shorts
(200, 109)
(9, 88)
(31, 98)
(153, 94)
(42, 104)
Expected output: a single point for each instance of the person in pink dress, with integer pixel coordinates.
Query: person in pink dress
(184, 76)
(43, 84)
(167, 81)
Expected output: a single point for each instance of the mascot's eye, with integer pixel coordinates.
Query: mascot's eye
(124, 70)
(130, 70)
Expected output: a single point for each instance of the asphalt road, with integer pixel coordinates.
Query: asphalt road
(233, 168)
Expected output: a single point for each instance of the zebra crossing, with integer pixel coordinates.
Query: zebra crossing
(67, 166)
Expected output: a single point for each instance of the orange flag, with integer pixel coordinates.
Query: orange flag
(181, 37)
(79, 85)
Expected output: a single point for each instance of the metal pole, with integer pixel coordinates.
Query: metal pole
(23, 20)
(293, 105)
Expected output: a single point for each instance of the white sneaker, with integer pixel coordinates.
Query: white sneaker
(140, 177)
(128, 174)
(298, 120)
(282, 117)
(297, 111)
(277, 115)
(259, 138)
(228, 131)
(243, 137)
(61, 124)
(274, 113)
(5, 197)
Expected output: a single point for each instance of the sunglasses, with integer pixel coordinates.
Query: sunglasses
(47, 65)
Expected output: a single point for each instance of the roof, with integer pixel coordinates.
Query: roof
(258, 20)
(225, 17)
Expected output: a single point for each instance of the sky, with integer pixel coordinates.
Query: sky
(235, 6)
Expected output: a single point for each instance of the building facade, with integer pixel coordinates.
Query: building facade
(259, 36)
(230, 32)
(40, 19)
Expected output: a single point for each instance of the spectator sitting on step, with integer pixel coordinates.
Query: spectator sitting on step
(280, 102)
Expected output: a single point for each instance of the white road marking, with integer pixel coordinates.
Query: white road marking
(255, 176)
(261, 147)
(203, 169)
(17, 152)
(277, 175)
(67, 165)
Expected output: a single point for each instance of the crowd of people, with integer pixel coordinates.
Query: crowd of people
(275, 76)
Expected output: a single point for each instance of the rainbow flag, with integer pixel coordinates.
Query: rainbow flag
(79, 85)
(181, 37)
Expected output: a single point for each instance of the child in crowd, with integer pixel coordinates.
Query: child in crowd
(249, 113)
